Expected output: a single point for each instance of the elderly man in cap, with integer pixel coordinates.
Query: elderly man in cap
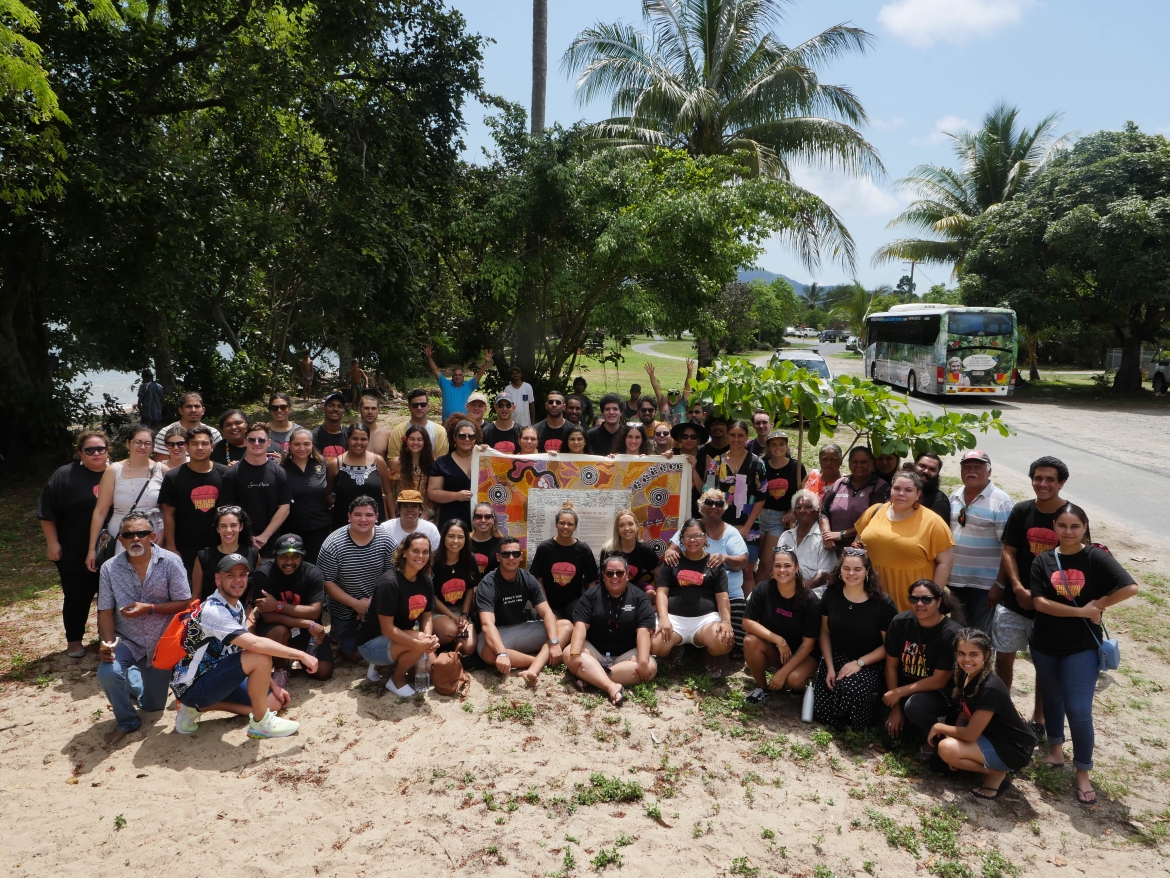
(138, 592)
(288, 595)
(330, 438)
(229, 668)
(410, 520)
(979, 514)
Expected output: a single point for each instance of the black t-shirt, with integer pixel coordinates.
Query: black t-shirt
(782, 484)
(921, 651)
(1011, 737)
(693, 586)
(209, 559)
(551, 438)
(194, 497)
(856, 629)
(600, 439)
(1089, 574)
(484, 554)
(505, 599)
(68, 499)
(452, 582)
(781, 616)
(940, 503)
(226, 454)
(643, 562)
(305, 586)
(614, 622)
(564, 571)
(454, 479)
(310, 505)
(260, 490)
(503, 441)
(1030, 532)
(398, 597)
(331, 445)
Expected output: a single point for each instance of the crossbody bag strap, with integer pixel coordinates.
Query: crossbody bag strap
(1083, 619)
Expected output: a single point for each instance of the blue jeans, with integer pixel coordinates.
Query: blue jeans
(975, 609)
(1068, 683)
(223, 681)
(125, 681)
(379, 651)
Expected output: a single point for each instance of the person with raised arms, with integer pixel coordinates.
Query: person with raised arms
(508, 639)
(456, 389)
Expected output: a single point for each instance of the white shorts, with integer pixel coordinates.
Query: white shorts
(688, 626)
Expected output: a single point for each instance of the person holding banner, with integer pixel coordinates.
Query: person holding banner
(575, 440)
(692, 600)
(612, 628)
(566, 568)
(529, 441)
(632, 439)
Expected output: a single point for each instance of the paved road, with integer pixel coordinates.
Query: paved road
(648, 349)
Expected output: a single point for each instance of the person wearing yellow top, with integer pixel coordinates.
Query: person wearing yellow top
(906, 541)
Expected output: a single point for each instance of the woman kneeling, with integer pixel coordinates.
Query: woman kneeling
(612, 625)
(991, 738)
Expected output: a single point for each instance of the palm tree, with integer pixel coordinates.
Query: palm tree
(995, 163)
(539, 63)
(712, 79)
(854, 304)
(814, 295)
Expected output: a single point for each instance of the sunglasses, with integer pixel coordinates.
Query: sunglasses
(136, 534)
(483, 517)
(853, 551)
(469, 437)
(418, 405)
(512, 553)
(690, 437)
(554, 402)
(143, 443)
(257, 440)
(228, 510)
(95, 449)
(646, 411)
(614, 574)
(663, 435)
(503, 403)
(922, 599)
(963, 517)
(713, 504)
(180, 443)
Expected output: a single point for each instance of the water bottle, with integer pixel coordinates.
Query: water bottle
(806, 709)
(313, 646)
(607, 662)
(422, 674)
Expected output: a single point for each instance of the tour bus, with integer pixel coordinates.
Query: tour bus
(943, 350)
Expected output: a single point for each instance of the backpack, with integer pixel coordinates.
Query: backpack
(447, 675)
(169, 650)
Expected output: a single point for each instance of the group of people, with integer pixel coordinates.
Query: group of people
(901, 606)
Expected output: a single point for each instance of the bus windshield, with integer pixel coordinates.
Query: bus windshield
(977, 324)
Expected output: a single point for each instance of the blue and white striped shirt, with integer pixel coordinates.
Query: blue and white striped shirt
(978, 542)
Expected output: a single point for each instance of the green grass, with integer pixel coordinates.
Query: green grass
(517, 711)
(996, 865)
(897, 836)
(607, 789)
(940, 830)
(607, 857)
(743, 866)
(25, 570)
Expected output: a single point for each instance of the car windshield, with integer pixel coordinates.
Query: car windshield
(817, 367)
(979, 324)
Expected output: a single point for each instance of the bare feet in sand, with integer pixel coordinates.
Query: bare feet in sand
(115, 737)
(1055, 756)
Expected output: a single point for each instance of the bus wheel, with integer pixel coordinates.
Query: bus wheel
(911, 384)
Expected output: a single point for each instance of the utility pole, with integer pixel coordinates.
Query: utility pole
(539, 63)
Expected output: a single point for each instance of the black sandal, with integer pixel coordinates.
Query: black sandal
(620, 698)
(1082, 794)
(996, 792)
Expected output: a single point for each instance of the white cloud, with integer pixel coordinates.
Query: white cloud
(849, 196)
(888, 124)
(944, 126)
(922, 23)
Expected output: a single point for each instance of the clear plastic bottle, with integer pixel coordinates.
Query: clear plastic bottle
(422, 674)
(607, 662)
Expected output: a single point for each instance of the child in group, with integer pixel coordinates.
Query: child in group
(991, 738)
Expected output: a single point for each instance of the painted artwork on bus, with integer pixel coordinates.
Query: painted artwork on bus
(983, 367)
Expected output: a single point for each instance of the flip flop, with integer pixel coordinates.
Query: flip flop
(76, 654)
(620, 698)
(995, 792)
(1082, 795)
(1038, 730)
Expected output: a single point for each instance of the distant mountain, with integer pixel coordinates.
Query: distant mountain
(768, 277)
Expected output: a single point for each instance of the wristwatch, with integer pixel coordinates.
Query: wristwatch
(504, 653)
(861, 663)
(554, 642)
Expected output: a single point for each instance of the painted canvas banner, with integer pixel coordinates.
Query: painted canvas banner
(654, 488)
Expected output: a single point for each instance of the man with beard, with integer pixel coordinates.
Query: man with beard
(553, 428)
(291, 593)
(929, 466)
(138, 592)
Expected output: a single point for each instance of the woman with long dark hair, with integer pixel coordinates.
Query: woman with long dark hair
(450, 482)
(308, 479)
(855, 614)
(632, 439)
(781, 624)
(411, 469)
(65, 510)
(739, 474)
(990, 737)
(357, 473)
(455, 577)
(235, 537)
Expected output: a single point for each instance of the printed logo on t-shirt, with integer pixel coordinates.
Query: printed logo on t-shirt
(632, 572)
(1041, 539)
(505, 447)
(780, 611)
(1068, 585)
(552, 444)
(452, 590)
(415, 605)
(690, 577)
(914, 659)
(203, 498)
(289, 597)
(563, 572)
(481, 561)
(332, 452)
(95, 490)
(777, 488)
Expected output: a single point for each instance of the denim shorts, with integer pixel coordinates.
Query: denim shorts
(1009, 630)
(991, 759)
(771, 522)
(379, 650)
(223, 681)
(344, 632)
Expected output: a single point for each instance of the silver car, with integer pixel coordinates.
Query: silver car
(805, 359)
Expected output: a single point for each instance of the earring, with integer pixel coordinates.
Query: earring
(916, 504)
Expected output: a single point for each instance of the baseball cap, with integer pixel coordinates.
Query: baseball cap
(476, 396)
(777, 434)
(410, 497)
(503, 397)
(235, 559)
(290, 544)
(976, 455)
(329, 397)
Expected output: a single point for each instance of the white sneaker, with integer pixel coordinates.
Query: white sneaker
(405, 692)
(271, 726)
(372, 674)
(187, 720)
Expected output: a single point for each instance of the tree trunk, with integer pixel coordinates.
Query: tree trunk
(539, 63)
(704, 352)
(163, 362)
(344, 358)
(1030, 344)
(1129, 372)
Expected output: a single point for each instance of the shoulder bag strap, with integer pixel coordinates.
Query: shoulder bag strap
(1059, 567)
(149, 478)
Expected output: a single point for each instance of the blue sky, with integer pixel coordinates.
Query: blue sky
(937, 65)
